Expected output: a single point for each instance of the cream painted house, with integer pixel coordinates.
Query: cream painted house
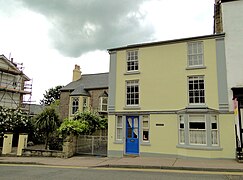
(170, 98)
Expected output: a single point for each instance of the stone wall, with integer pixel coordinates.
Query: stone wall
(41, 153)
(94, 99)
(64, 105)
(69, 146)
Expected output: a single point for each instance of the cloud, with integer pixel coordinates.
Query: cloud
(80, 26)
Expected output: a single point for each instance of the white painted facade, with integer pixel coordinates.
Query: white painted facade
(232, 18)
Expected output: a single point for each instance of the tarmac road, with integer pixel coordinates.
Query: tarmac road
(18, 172)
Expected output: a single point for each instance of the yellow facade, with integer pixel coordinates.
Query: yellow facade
(163, 92)
(163, 73)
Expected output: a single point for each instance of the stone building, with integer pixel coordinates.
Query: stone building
(85, 92)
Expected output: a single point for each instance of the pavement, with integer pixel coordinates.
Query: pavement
(196, 164)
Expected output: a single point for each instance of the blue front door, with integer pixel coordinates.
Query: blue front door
(132, 135)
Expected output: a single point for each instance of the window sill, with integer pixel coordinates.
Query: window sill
(196, 67)
(200, 147)
(131, 72)
(195, 106)
(118, 142)
(145, 144)
(132, 108)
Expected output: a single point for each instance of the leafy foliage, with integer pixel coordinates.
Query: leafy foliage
(47, 122)
(14, 120)
(51, 95)
(92, 119)
(70, 126)
(82, 123)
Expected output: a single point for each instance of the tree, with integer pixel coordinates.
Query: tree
(51, 95)
(47, 122)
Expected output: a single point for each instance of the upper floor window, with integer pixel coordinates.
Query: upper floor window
(132, 94)
(75, 104)
(132, 60)
(195, 54)
(103, 104)
(196, 90)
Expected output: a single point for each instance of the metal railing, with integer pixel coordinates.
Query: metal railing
(91, 145)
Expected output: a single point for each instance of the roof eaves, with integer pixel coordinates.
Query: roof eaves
(157, 43)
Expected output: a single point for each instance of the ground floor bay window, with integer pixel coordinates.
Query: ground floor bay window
(198, 130)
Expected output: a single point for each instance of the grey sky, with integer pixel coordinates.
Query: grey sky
(50, 36)
(80, 26)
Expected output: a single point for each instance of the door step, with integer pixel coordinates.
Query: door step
(130, 155)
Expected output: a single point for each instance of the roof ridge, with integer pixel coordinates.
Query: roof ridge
(95, 74)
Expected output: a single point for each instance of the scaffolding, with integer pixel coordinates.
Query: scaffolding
(15, 86)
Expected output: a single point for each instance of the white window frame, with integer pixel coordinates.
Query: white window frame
(132, 60)
(119, 128)
(195, 54)
(214, 131)
(196, 96)
(211, 132)
(181, 130)
(85, 104)
(145, 128)
(102, 104)
(132, 97)
(75, 105)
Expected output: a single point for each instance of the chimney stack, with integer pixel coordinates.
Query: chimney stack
(218, 23)
(76, 73)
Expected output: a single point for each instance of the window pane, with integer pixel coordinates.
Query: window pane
(181, 126)
(145, 123)
(132, 93)
(182, 136)
(214, 137)
(196, 89)
(214, 126)
(197, 125)
(129, 132)
(119, 121)
(197, 136)
(119, 133)
(132, 60)
(145, 135)
(195, 53)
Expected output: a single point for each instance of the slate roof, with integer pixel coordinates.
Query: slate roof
(87, 82)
